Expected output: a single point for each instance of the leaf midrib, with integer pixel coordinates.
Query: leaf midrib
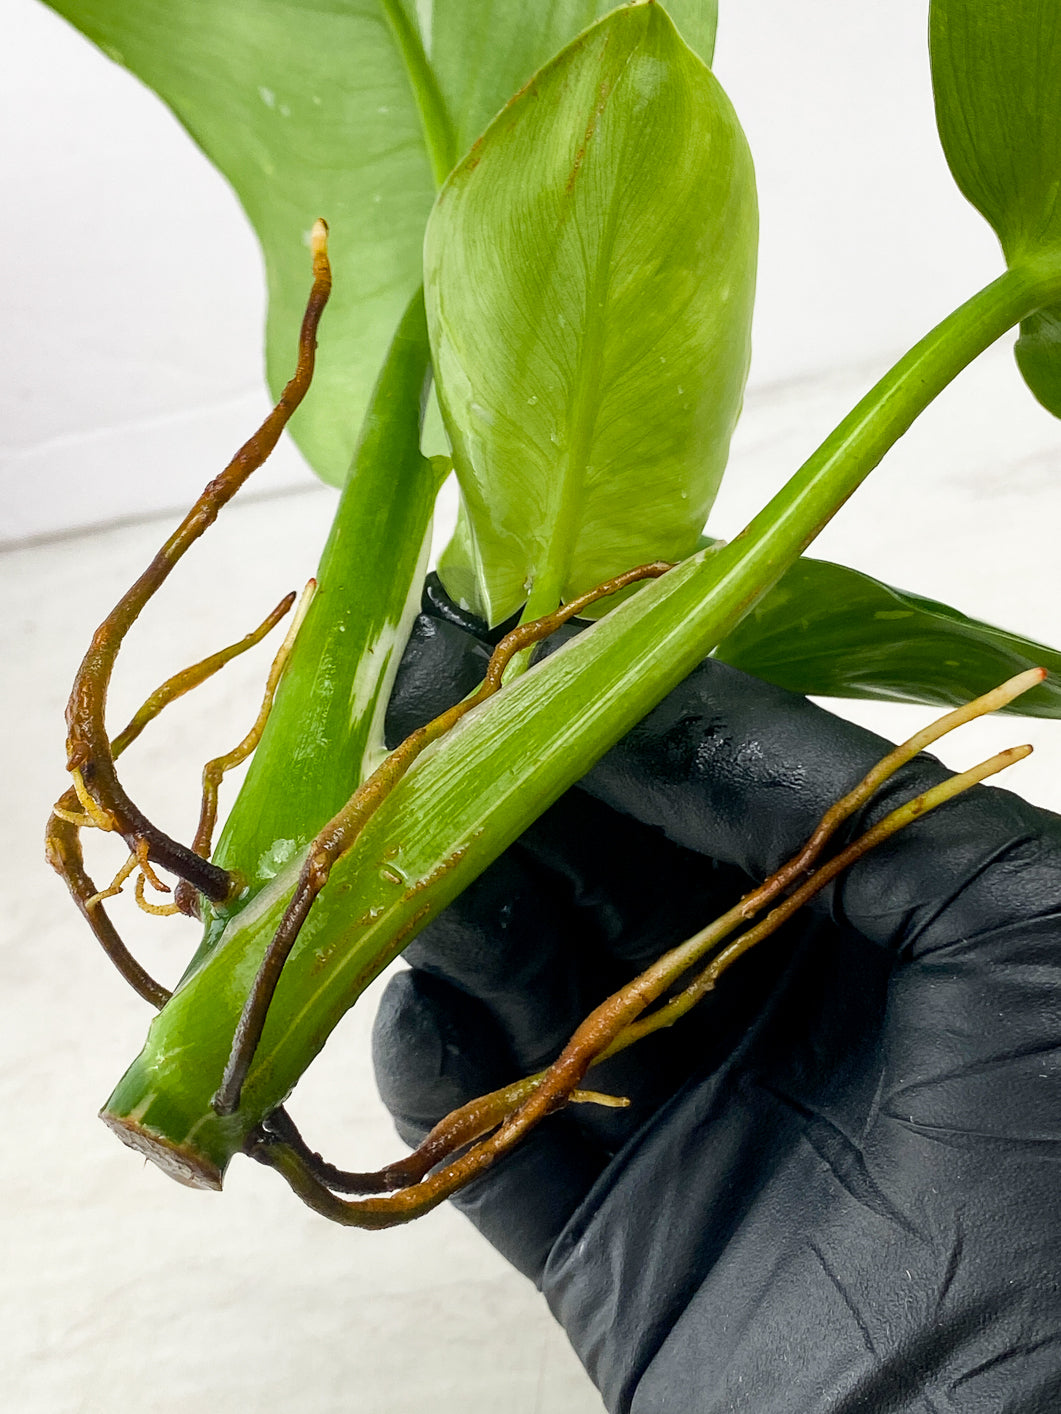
(550, 582)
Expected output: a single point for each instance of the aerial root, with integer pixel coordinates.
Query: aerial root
(114, 888)
(97, 799)
(465, 1143)
(98, 817)
(157, 910)
(91, 755)
(73, 817)
(215, 770)
(64, 852)
(340, 833)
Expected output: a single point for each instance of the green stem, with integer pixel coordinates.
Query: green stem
(439, 136)
(472, 794)
(808, 501)
(325, 731)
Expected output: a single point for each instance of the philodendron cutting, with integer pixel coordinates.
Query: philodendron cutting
(580, 291)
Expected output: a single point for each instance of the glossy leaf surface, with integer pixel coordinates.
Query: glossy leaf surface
(996, 67)
(325, 731)
(589, 270)
(484, 51)
(336, 110)
(831, 632)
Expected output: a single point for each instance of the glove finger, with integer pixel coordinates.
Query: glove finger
(631, 890)
(513, 943)
(518, 1001)
(510, 940)
(730, 767)
(435, 1048)
(741, 771)
(442, 663)
(649, 1073)
(968, 899)
(631, 896)
(444, 660)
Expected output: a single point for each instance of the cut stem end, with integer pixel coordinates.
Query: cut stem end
(187, 1166)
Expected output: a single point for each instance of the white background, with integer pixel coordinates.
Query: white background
(132, 315)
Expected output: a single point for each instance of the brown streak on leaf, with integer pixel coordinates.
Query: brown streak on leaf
(591, 129)
(435, 874)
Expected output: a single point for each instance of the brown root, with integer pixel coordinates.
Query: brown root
(90, 756)
(490, 1126)
(339, 834)
(97, 799)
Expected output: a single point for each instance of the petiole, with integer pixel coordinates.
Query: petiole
(416, 1184)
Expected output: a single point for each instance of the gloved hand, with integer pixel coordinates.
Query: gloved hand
(837, 1189)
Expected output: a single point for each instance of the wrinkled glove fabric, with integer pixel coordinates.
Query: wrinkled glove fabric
(837, 1188)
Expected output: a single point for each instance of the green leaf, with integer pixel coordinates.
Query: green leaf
(484, 51)
(325, 731)
(996, 71)
(469, 796)
(332, 108)
(832, 632)
(589, 271)
(308, 110)
(1038, 352)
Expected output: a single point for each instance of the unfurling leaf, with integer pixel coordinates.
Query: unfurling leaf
(589, 271)
(996, 71)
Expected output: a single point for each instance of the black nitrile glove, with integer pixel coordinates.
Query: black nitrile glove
(838, 1187)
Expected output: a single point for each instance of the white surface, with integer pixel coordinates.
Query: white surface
(132, 294)
(120, 1289)
(132, 298)
(125, 256)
